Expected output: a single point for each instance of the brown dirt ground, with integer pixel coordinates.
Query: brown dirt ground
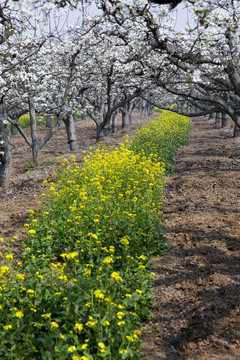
(197, 285)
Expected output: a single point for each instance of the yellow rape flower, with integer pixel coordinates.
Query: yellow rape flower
(63, 277)
(102, 347)
(106, 323)
(138, 332)
(142, 257)
(54, 325)
(78, 326)
(30, 292)
(116, 276)
(20, 276)
(31, 232)
(19, 314)
(98, 294)
(7, 327)
(120, 315)
(130, 338)
(120, 323)
(123, 351)
(124, 241)
(94, 236)
(91, 323)
(108, 260)
(112, 249)
(46, 316)
(72, 348)
(87, 272)
(72, 255)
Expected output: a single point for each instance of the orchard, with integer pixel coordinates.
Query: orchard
(81, 285)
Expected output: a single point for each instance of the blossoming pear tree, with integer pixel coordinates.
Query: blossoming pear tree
(201, 62)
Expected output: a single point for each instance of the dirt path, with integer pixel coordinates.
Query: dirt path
(197, 287)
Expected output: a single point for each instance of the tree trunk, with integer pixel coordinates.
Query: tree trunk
(49, 121)
(211, 116)
(149, 110)
(107, 127)
(236, 131)
(71, 133)
(36, 151)
(130, 110)
(125, 117)
(5, 150)
(144, 111)
(99, 124)
(14, 130)
(114, 122)
(124, 122)
(100, 132)
(225, 120)
(218, 121)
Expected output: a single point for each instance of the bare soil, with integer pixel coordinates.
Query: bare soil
(197, 287)
(197, 284)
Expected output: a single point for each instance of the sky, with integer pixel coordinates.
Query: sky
(183, 17)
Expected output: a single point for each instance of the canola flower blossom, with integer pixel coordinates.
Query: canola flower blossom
(78, 326)
(19, 314)
(72, 348)
(7, 327)
(116, 276)
(54, 325)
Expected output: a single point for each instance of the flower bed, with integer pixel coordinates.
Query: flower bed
(84, 283)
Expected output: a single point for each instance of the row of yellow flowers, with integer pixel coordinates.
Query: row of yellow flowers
(84, 284)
